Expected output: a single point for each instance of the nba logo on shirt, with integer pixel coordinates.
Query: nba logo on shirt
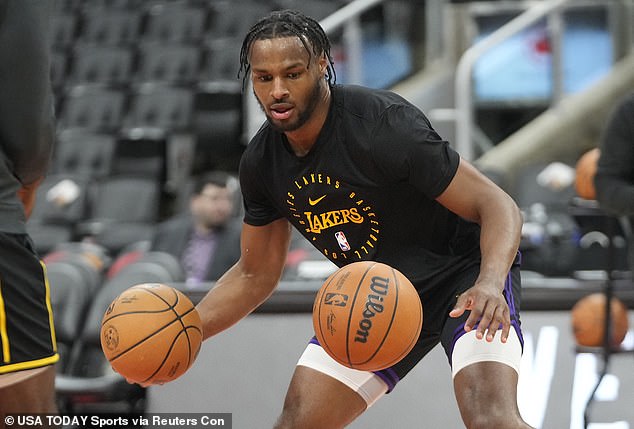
(341, 239)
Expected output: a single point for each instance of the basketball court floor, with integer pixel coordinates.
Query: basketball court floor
(246, 370)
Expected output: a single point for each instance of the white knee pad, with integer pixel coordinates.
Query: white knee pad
(468, 350)
(367, 384)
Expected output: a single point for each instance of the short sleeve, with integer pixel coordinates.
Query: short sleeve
(408, 149)
(258, 209)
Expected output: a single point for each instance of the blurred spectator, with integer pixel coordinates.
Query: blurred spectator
(614, 179)
(206, 239)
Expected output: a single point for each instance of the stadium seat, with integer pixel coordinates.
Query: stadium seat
(156, 105)
(141, 152)
(123, 210)
(127, 199)
(110, 26)
(221, 60)
(175, 63)
(92, 259)
(101, 64)
(63, 29)
(69, 301)
(84, 153)
(60, 204)
(176, 21)
(233, 19)
(93, 107)
(60, 198)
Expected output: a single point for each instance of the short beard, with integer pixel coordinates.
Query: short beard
(303, 116)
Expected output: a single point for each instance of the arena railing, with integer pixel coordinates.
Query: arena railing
(552, 10)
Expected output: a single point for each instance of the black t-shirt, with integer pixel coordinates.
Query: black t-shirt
(367, 188)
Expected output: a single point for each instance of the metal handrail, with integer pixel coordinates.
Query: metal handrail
(348, 18)
(463, 91)
(342, 16)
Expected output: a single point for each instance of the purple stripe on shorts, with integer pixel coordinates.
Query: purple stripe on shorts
(388, 375)
(508, 289)
(508, 294)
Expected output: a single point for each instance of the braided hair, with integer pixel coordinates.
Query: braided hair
(285, 23)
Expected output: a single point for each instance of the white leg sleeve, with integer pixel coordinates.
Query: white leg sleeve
(468, 350)
(367, 384)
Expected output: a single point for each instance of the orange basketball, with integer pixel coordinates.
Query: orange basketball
(367, 316)
(151, 333)
(588, 320)
(586, 169)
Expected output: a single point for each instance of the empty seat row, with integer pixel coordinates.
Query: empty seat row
(104, 108)
(175, 21)
(114, 211)
(210, 117)
(183, 63)
(119, 22)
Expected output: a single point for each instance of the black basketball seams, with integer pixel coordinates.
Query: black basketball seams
(356, 293)
(389, 327)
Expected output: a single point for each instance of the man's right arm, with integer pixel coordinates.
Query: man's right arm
(250, 281)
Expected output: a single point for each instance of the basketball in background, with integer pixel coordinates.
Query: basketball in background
(151, 334)
(367, 316)
(588, 320)
(585, 169)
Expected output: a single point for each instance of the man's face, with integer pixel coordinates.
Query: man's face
(286, 82)
(212, 207)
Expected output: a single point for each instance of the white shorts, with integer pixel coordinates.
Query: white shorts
(467, 350)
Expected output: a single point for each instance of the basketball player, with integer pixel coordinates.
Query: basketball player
(363, 176)
(27, 339)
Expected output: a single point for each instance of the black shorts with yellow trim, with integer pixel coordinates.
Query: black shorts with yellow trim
(27, 333)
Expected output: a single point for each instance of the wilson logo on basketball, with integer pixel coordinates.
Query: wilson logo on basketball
(373, 306)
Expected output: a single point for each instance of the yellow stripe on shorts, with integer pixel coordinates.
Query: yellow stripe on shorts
(37, 363)
(6, 353)
(49, 307)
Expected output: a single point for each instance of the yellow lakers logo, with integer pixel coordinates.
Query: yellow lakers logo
(321, 221)
(323, 207)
